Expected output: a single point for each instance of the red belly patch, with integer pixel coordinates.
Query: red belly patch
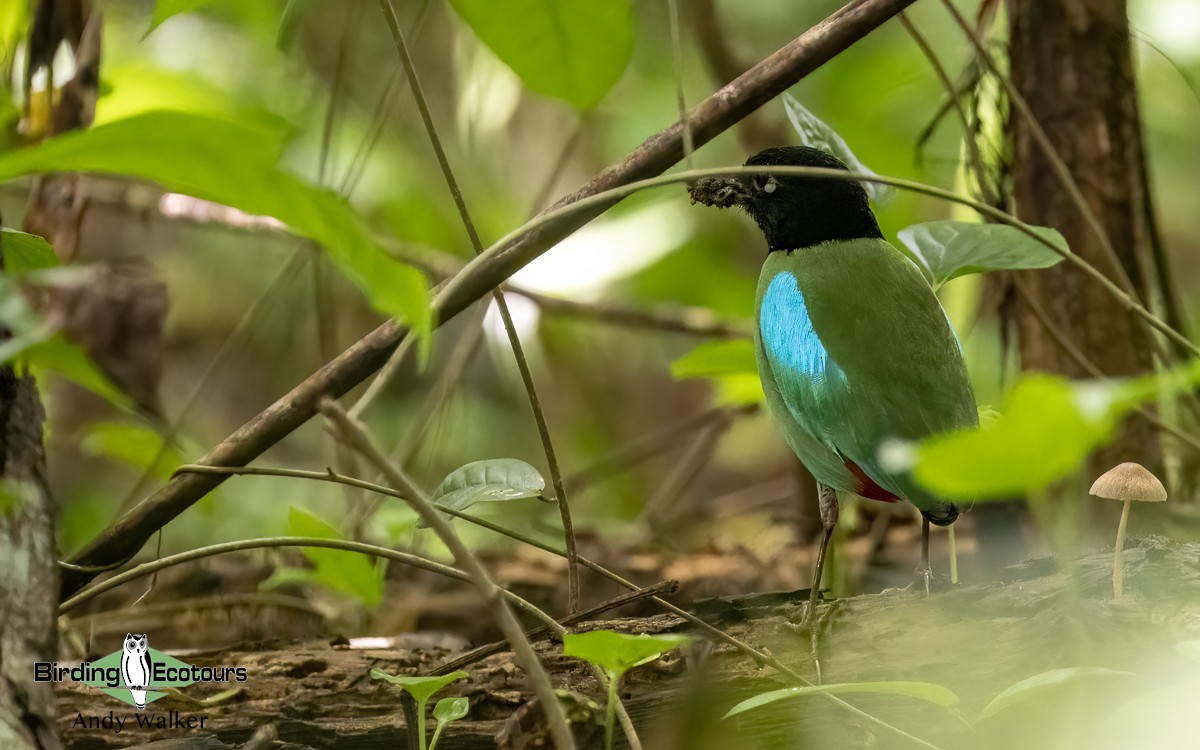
(867, 486)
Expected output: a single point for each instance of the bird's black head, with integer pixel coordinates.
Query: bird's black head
(794, 212)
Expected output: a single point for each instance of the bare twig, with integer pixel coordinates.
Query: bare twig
(694, 321)
(714, 115)
(539, 416)
(357, 437)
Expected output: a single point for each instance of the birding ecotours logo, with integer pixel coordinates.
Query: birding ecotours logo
(136, 674)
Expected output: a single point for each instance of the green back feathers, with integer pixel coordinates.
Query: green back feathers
(854, 348)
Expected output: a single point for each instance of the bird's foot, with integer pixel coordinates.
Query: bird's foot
(922, 577)
(814, 619)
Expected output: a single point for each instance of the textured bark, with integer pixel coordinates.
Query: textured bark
(1071, 61)
(28, 569)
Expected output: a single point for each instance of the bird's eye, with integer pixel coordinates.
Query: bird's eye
(770, 185)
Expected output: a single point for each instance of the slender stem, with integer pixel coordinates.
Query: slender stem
(610, 710)
(759, 657)
(437, 732)
(1119, 555)
(968, 140)
(357, 437)
(680, 98)
(421, 725)
(501, 305)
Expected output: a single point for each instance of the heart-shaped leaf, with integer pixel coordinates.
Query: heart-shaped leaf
(451, 709)
(420, 688)
(926, 691)
(815, 133)
(617, 653)
(947, 249)
(491, 481)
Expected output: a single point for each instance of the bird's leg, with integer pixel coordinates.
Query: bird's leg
(828, 503)
(924, 570)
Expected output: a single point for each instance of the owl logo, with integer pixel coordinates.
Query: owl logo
(135, 667)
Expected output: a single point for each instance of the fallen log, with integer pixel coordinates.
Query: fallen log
(975, 640)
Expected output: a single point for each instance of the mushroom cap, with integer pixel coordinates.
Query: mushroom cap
(1129, 481)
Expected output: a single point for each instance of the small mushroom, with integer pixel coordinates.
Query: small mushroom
(1127, 482)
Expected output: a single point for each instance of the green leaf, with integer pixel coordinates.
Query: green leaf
(731, 365)
(1041, 683)
(340, 570)
(25, 252)
(64, 357)
(133, 444)
(926, 691)
(451, 709)
(164, 9)
(617, 653)
(138, 87)
(219, 160)
(1041, 436)
(948, 249)
(1046, 429)
(36, 344)
(420, 688)
(561, 48)
(815, 133)
(716, 358)
(491, 481)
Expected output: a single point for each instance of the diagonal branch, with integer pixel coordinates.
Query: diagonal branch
(714, 115)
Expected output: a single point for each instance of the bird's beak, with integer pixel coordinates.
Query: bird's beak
(719, 192)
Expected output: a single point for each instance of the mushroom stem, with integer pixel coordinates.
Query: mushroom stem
(1119, 554)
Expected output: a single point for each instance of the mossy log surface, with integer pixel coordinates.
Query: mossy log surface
(976, 640)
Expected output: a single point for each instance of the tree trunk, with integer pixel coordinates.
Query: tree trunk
(1071, 61)
(28, 567)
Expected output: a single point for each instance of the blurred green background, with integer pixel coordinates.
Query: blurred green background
(513, 151)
